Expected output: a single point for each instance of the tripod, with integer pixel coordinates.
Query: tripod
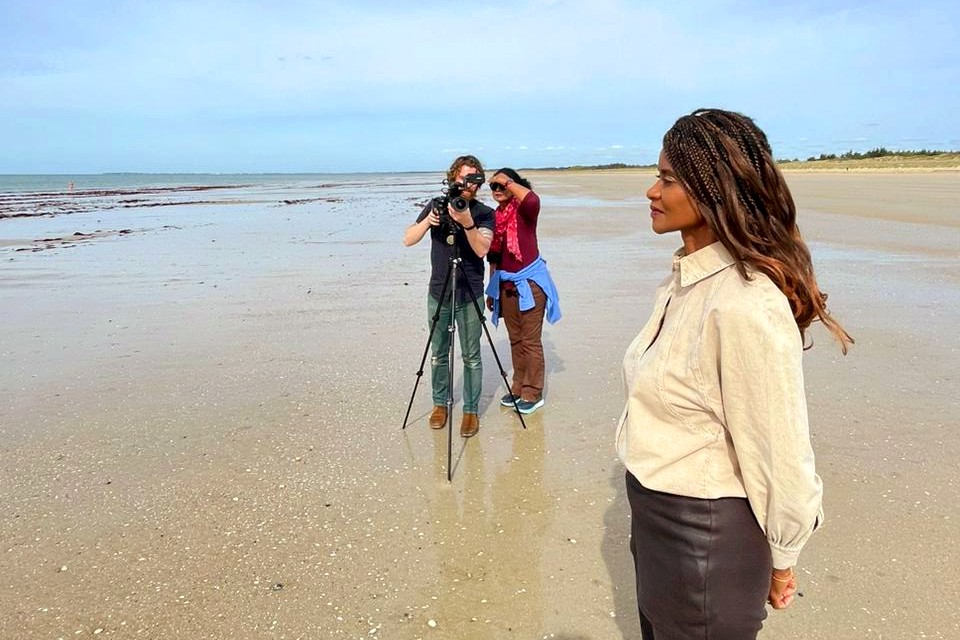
(450, 280)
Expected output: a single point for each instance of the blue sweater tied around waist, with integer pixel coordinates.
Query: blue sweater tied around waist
(535, 271)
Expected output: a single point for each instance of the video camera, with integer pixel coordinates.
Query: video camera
(452, 194)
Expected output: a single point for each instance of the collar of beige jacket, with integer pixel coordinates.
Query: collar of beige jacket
(702, 263)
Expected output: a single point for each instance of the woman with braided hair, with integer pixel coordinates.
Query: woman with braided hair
(720, 471)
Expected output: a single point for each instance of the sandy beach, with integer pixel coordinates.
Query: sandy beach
(201, 407)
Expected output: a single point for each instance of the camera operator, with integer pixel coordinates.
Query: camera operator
(471, 230)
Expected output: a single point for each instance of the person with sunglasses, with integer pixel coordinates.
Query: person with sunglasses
(520, 288)
(474, 230)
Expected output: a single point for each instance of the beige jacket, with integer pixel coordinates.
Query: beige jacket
(715, 401)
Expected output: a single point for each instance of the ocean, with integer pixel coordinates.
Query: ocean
(61, 182)
(26, 198)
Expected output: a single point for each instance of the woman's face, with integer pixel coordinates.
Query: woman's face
(672, 208)
(503, 195)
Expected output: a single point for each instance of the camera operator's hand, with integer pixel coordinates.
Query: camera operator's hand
(463, 218)
(433, 218)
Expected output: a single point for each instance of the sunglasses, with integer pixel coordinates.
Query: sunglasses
(497, 186)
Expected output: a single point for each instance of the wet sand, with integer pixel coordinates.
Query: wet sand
(200, 422)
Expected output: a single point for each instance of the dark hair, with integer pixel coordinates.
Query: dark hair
(513, 175)
(460, 162)
(726, 165)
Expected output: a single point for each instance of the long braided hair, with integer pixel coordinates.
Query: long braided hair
(725, 163)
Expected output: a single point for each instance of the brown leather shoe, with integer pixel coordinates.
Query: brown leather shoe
(438, 419)
(469, 425)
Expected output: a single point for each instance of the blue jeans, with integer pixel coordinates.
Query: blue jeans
(468, 328)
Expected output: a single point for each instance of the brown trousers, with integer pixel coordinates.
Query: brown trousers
(526, 347)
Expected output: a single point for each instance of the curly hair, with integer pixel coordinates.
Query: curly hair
(460, 162)
(725, 163)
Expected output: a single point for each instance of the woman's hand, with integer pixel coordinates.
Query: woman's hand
(783, 586)
(489, 303)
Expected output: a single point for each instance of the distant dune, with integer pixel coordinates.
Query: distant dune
(938, 162)
(894, 162)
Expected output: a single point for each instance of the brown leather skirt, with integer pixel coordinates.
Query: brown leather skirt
(703, 566)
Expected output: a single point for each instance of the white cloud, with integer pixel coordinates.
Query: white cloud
(390, 78)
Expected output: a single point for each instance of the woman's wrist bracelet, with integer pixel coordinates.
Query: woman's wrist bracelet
(779, 579)
(473, 226)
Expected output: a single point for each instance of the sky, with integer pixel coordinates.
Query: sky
(295, 86)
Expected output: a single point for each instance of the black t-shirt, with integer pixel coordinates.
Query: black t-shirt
(471, 265)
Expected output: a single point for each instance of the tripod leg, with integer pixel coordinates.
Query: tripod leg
(503, 374)
(426, 349)
(452, 328)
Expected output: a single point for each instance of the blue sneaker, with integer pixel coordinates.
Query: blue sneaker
(507, 400)
(525, 407)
